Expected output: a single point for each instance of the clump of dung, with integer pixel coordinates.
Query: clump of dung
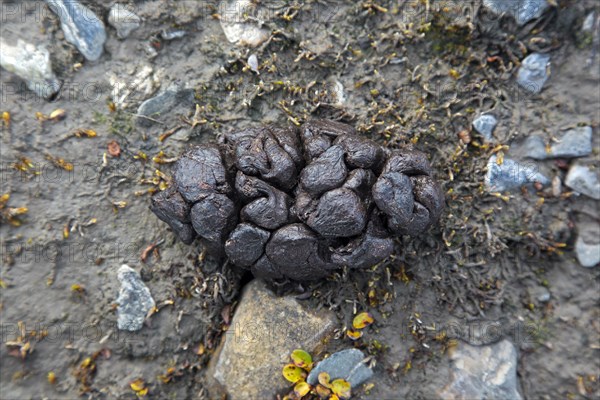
(299, 203)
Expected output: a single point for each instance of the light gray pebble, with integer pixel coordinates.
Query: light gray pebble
(511, 174)
(587, 245)
(583, 179)
(575, 142)
(346, 364)
(522, 10)
(123, 20)
(135, 300)
(485, 124)
(533, 72)
(253, 63)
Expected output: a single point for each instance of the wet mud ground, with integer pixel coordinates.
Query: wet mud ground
(402, 74)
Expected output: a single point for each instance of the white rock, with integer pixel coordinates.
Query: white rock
(32, 64)
(588, 22)
(338, 94)
(123, 20)
(483, 372)
(587, 245)
(253, 63)
(584, 180)
(237, 28)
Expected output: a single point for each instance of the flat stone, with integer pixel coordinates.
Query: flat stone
(164, 103)
(32, 64)
(264, 330)
(511, 174)
(486, 372)
(237, 27)
(587, 245)
(534, 147)
(522, 11)
(573, 143)
(81, 27)
(123, 20)
(135, 300)
(485, 124)
(533, 72)
(346, 364)
(584, 180)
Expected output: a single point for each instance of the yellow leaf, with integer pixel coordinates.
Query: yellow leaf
(138, 385)
(6, 118)
(58, 114)
(51, 378)
(341, 388)
(324, 379)
(301, 359)
(301, 389)
(85, 133)
(323, 392)
(362, 320)
(19, 210)
(354, 334)
(293, 373)
(77, 288)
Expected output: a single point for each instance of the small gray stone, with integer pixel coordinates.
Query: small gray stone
(485, 124)
(587, 246)
(511, 174)
(346, 364)
(32, 64)
(539, 293)
(575, 142)
(135, 300)
(486, 372)
(253, 63)
(533, 72)
(584, 180)
(588, 22)
(534, 147)
(123, 20)
(165, 102)
(522, 10)
(172, 34)
(81, 27)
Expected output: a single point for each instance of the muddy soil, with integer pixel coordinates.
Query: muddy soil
(403, 73)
